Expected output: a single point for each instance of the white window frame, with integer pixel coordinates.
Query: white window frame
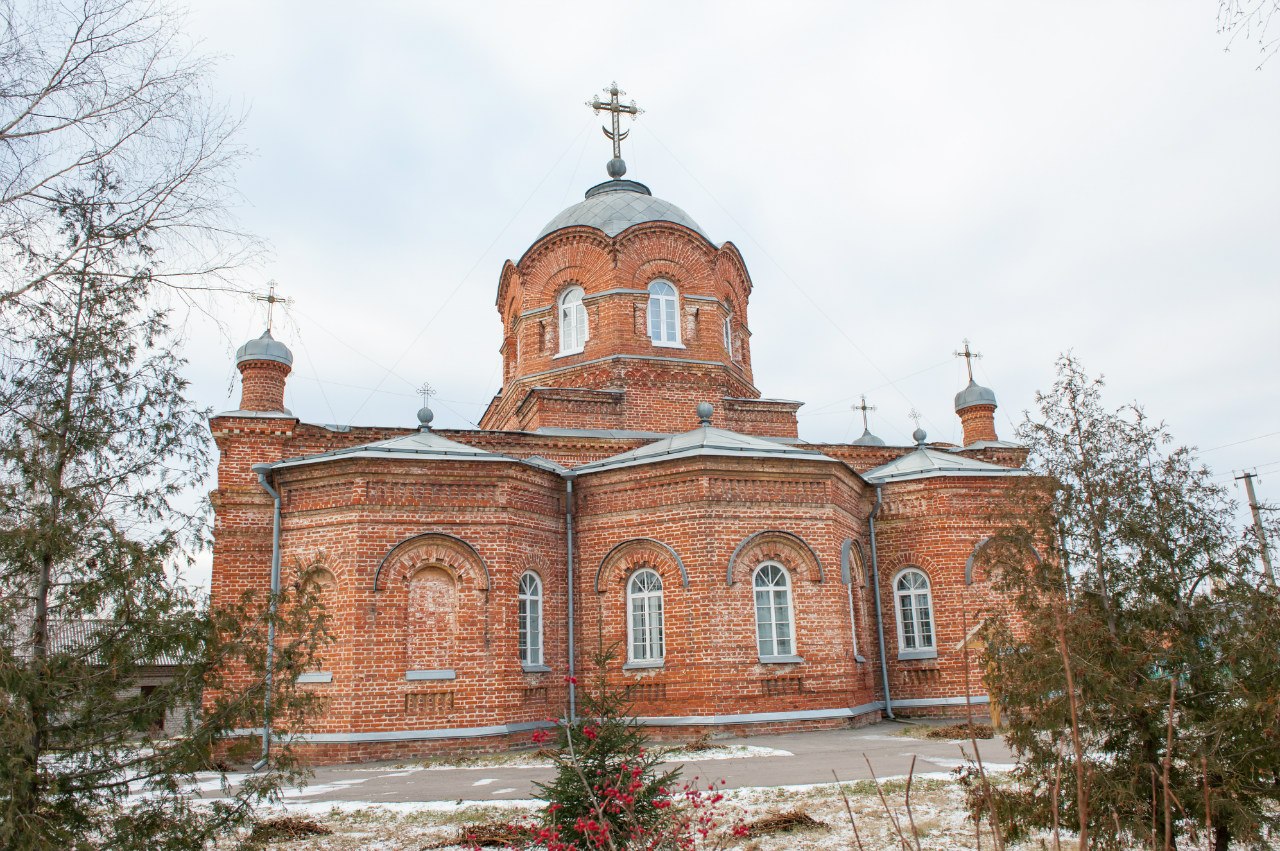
(771, 647)
(574, 331)
(666, 332)
(529, 617)
(909, 604)
(646, 639)
(728, 336)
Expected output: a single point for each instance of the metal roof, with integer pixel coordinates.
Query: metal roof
(265, 347)
(615, 205)
(704, 440)
(974, 394)
(868, 439)
(423, 445)
(926, 463)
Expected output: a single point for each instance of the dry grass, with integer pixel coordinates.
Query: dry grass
(782, 823)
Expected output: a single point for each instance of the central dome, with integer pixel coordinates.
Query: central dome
(615, 205)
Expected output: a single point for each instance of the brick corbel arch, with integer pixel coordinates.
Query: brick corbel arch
(969, 564)
(635, 552)
(786, 548)
(435, 548)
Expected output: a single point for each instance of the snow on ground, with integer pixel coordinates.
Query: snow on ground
(937, 812)
(536, 760)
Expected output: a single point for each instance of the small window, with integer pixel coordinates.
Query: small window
(664, 329)
(915, 612)
(645, 640)
(774, 633)
(728, 336)
(530, 619)
(573, 321)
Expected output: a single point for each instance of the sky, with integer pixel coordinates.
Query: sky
(1037, 178)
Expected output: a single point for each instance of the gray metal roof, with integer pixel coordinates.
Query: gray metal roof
(615, 205)
(926, 463)
(974, 394)
(421, 445)
(265, 347)
(868, 439)
(704, 440)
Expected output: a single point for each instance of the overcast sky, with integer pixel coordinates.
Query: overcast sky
(1095, 177)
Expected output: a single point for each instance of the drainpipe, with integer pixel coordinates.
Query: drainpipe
(568, 526)
(875, 578)
(262, 470)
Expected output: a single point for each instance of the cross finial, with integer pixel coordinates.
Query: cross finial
(271, 300)
(427, 392)
(914, 416)
(969, 358)
(865, 409)
(617, 109)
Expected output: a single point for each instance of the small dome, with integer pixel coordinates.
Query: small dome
(615, 205)
(868, 439)
(974, 394)
(265, 347)
(919, 436)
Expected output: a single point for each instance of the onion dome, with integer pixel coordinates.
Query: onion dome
(975, 394)
(868, 439)
(265, 347)
(615, 205)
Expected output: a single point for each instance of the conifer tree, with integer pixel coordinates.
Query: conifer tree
(1137, 658)
(98, 448)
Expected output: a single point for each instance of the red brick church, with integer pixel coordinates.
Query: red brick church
(629, 487)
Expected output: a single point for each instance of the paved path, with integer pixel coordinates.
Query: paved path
(813, 757)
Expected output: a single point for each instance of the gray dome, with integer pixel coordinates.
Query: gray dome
(974, 394)
(868, 439)
(265, 347)
(615, 205)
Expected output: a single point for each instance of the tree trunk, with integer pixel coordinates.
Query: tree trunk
(1221, 837)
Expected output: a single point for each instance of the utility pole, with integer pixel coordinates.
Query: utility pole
(1257, 525)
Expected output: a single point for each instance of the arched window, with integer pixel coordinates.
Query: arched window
(664, 329)
(775, 635)
(728, 335)
(645, 641)
(432, 619)
(530, 619)
(915, 613)
(573, 321)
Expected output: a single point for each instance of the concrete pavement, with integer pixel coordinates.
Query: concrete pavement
(813, 757)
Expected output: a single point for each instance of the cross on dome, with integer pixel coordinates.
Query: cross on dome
(271, 300)
(969, 357)
(617, 167)
(865, 409)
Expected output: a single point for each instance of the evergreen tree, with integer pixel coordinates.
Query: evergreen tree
(1137, 659)
(99, 449)
(608, 791)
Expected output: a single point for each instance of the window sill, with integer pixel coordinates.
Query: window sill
(568, 353)
(780, 660)
(640, 666)
(442, 674)
(667, 345)
(908, 655)
(535, 669)
(315, 677)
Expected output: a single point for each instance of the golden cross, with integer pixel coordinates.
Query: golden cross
(272, 300)
(865, 408)
(617, 109)
(969, 358)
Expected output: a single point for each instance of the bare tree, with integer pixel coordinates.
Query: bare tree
(112, 87)
(1253, 21)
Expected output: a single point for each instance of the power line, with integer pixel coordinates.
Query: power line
(1238, 442)
(796, 284)
(440, 309)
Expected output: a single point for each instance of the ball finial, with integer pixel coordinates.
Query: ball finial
(425, 416)
(616, 167)
(704, 413)
(919, 435)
